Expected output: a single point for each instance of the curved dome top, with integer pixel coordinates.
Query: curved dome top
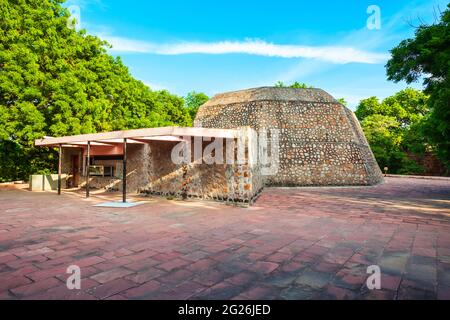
(271, 93)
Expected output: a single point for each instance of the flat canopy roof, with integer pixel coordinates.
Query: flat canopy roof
(137, 136)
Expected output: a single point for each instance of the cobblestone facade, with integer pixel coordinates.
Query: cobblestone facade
(320, 141)
(150, 170)
(235, 183)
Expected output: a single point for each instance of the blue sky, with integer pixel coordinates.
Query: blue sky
(218, 46)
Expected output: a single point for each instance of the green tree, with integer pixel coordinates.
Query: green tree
(172, 109)
(394, 128)
(427, 56)
(193, 101)
(342, 101)
(57, 81)
(367, 107)
(299, 85)
(383, 134)
(296, 84)
(407, 106)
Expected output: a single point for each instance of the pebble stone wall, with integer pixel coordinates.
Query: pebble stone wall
(233, 183)
(150, 170)
(320, 143)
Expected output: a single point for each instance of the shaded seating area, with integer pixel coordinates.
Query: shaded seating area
(141, 161)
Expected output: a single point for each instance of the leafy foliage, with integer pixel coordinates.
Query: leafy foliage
(342, 101)
(394, 128)
(57, 81)
(296, 84)
(383, 134)
(193, 101)
(427, 56)
(407, 106)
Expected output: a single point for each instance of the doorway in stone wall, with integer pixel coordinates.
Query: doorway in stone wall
(75, 171)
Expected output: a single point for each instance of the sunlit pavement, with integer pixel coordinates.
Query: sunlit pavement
(303, 243)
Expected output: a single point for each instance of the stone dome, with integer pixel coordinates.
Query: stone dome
(320, 140)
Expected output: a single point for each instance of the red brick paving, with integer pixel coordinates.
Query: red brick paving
(294, 243)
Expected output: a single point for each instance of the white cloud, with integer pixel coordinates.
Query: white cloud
(120, 44)
(334, 54)
(392, 31)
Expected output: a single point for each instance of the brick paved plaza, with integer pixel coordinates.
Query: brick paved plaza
(303, 243)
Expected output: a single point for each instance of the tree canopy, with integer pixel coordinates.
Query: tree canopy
(406, 106)
(394, 129)
(427, 56)
(296, 84)
(57, 81)
(342, 101)
(193, 101)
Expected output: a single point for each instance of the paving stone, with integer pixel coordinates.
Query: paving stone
(173, 264)
(184, 291)
(297, 293)
(335, 293)
(35, 287)
(142, 265)
(294, 266)
(278, 257)
(110, 275)
(201, 265)
(378, 295)
(410, 293)
(210, 277)
(346, 279)
(221, 291)
(282, 279)
(313, 279)
(443, 292)
(111, 288)
(393, 262)
(264, 267)
(339, 256)
(422, 275)
(259, 292)
(192, 249)
(142, 291)
(175, 277)
(422, 260)
(243, 278)
(13, 282)
(326, 267)
(62, 293)
(145, 275)
(390, 282)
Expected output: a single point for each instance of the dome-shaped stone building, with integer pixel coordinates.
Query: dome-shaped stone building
(320, 140)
